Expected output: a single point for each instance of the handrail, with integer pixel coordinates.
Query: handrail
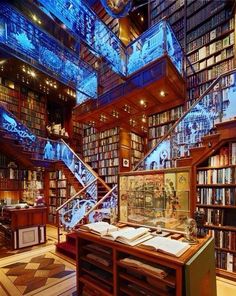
(87, 166)
(98, 203)
(183, 116)
(76, 194)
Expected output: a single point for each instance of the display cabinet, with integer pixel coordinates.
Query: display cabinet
(155, 197)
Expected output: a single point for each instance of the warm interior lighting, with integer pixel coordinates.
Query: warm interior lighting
(162, 93)
(144, 118)
(142, 18)
(33, 74)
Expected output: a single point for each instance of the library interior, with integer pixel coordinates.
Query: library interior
(118, 147)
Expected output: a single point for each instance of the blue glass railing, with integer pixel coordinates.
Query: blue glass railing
(79, 209)
(84, 24)
(26, 41)
(217, 104)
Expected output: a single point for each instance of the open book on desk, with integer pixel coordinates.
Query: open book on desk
(99, 228)
(166, 245)
(129, 235)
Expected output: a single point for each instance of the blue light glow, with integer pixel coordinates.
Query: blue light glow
(145, 49)
(216, 106)
(20, 35)
(85, 24)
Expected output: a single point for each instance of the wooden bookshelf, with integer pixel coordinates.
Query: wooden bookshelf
(106, 274)
(215, 193)
(205, 29)
(160, 123)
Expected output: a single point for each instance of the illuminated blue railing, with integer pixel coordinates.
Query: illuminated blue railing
(84, 23)
(216, 105)
(31, 44)
(46, 149)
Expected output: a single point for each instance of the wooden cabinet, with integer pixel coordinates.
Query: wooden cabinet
(24, 227)
(101, 271)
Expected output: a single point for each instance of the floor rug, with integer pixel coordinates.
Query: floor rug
(41, 274)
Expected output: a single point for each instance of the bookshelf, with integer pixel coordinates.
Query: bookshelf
(59, 190)
(216, 188)
(160, 123)
(32, 185)
(109, 155)
(33, 111)
(90, 146)
(137, 149)
(102, 270)
(10, 174)
(205, 29)
(111, 151)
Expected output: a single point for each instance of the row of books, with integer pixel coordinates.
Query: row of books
(213, 48)
(109, 147)
(216, 196)
(166, 6)
(214, 216)
(217, 176)
(159, 131)
(210, 74)
(90, 157)
(109, 162)
(109, 140)
(113, 179)
(108, 171)
(109, 133)
(90, 138)
(136, 138)
(91, 145)
(109, 154)
(57, 175)
(136, 146)
(209, 9)
(225, 260)
(209, 25)
(161, 118)
(225, 239)
(212, 60)
(209, 36)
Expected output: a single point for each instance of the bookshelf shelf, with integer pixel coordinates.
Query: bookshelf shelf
(217, 200)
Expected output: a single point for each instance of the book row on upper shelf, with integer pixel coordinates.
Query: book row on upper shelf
(225, 260)
(161, 118)
(208, 11)
(217, 176)
(217, 196)
(213, 48)
(223, 217)
(210, 73)
(225, 239)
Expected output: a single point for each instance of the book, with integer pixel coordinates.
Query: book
(129, 235)
(99, 228)
(162, 244)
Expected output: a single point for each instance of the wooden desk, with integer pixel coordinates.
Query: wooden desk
(24, 227)
(118, 279)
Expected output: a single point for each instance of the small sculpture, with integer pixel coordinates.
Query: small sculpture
(200, 218)
(191, 231)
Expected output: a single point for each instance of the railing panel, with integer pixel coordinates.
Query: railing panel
(216, 105)
(31, 44)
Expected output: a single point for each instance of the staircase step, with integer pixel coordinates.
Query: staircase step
(210, 140)
(182, 162)
(67, 249)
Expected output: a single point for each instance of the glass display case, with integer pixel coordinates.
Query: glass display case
(155, 198)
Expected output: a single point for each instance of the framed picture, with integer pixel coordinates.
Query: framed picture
(125, 162)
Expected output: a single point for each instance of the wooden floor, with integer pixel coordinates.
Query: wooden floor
(47, 273)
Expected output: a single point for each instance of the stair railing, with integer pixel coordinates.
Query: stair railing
(71, 210)
(113, 203)
(217, 103)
